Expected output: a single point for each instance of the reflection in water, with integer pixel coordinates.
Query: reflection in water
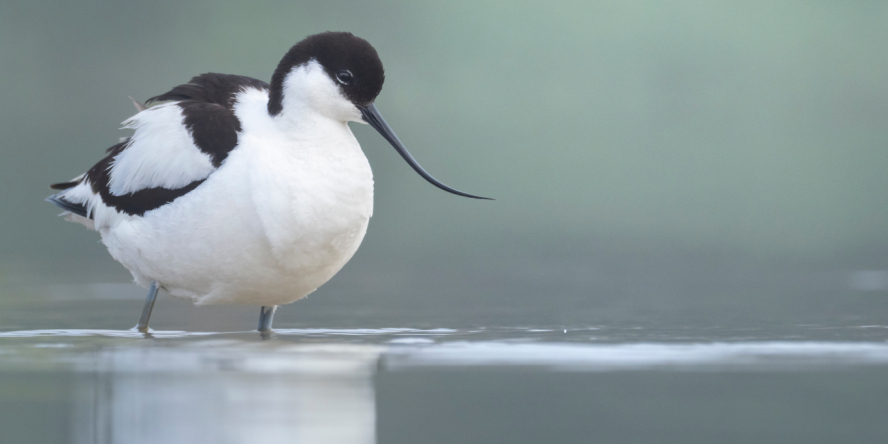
(228, 393)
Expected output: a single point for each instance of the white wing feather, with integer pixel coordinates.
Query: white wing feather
(161, 153)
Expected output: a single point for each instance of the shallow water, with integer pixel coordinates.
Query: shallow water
(810, 383)
(346, 367)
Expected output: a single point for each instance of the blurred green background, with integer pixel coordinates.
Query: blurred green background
(683, 162)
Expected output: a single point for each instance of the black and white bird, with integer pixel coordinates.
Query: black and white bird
(232, 190)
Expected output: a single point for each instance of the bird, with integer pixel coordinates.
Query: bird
(231, 190)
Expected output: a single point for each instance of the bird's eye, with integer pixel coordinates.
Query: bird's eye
(344, 76)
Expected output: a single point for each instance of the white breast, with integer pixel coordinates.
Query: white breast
(312, 187)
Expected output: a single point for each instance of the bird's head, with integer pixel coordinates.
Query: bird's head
(339, 76)
(333, 73)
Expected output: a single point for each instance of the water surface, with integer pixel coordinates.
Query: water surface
(811, 383)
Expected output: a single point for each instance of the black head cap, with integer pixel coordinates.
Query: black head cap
(350, 61)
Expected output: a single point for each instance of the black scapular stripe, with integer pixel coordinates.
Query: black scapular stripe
(211, 88)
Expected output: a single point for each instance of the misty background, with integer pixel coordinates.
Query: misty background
(681, 163)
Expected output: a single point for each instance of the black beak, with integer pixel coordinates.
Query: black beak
(372, 116)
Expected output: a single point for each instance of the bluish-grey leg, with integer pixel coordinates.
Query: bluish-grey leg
(142, 326)
(266, 315)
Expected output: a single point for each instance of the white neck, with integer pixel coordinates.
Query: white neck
(309, 94)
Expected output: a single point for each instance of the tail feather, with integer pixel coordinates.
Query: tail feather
(60, 201)
(64, 185)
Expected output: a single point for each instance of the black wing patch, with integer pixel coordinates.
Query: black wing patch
(135, 204)
(207, 102)
(139, 202)
(213, 128)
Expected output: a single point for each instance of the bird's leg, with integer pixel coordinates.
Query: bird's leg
(266, 315)
(142, 326)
